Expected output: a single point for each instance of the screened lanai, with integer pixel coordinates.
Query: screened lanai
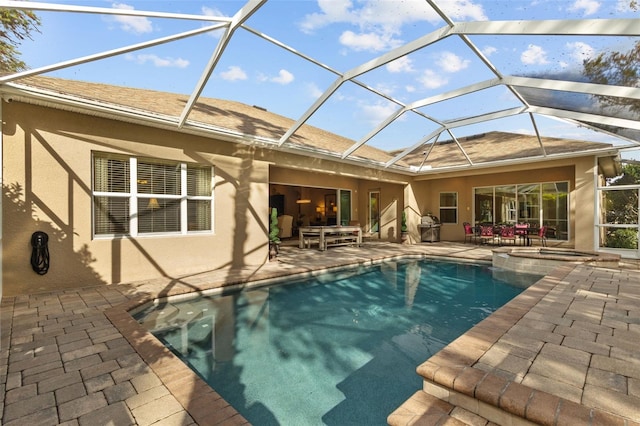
(402, 77)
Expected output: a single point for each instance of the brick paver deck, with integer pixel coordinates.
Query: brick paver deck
(76, 357)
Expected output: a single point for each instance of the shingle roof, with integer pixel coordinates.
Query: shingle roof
(231, 115)
(256, 122)
(497, 146)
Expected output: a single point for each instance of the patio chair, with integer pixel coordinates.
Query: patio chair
(541, 235)
(507, 233)
(469, 233)
(487, 234)
(521, 230)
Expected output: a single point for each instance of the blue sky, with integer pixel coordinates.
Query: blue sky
(341, 35)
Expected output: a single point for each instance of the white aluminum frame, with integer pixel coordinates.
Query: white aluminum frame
(583, 27)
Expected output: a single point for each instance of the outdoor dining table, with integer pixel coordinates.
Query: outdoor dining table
(322, 232)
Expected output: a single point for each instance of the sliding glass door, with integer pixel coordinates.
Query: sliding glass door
(537, 204)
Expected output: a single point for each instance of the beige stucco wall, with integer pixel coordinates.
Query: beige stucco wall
(47, 171)
(583, 205)
(47, 161)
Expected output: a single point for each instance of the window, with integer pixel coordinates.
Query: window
(345, 207)
(145, 196)
(448, 207)
(539, 204)
(374, 212)
(484, 205)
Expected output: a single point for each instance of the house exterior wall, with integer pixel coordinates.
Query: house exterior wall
(47, 183)
(47, 187)
(579, 172)
(584, 207)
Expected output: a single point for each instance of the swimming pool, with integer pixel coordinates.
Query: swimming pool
(338, 349)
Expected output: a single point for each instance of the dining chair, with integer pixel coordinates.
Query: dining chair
(507, 233)
(541, 235)
(487, 234)
(469, 232)
(522, 231)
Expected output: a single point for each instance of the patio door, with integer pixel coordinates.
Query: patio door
(344, 206)
(374, 212)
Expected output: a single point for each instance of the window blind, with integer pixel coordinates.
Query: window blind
(111, 174)
(163, 204)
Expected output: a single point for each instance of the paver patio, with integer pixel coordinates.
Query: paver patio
(567, 346)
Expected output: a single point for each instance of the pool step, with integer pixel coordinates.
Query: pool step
(425, 410)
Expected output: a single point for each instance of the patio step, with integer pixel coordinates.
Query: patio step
(425, 409)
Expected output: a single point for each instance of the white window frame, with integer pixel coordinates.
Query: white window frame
(134, 196)
(518, 193)
(449, 207)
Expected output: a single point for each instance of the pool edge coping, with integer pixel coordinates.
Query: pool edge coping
(452, 369)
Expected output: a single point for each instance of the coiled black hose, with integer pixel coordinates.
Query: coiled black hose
(40, 252)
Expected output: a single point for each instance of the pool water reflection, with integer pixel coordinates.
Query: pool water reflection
(338, 349)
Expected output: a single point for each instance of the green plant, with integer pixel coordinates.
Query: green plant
(273, 228)
(622, 238)
(403, 223)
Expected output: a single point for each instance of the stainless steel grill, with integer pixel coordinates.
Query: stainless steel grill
(429, 229)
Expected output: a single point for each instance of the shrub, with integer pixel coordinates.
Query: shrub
(622, 238)
(273, 228)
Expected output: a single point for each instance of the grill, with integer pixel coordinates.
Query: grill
(429, 229)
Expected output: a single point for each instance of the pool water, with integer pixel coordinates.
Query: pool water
(338, 349)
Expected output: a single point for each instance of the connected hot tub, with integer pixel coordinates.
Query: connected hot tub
(542, 260)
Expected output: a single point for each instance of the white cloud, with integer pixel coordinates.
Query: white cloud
(410, 89)
(390, 15)
(402, 64)
(233, 73)
(386, 87)
(370, 42)
(464, 10)
(210, 11)
(588, 7)
(489, 50)
(314, 90)
(534, 55)
(158, 61)
(284, 77)
(375, 113)
(431, 80)
(331, 11)
(378, 24)
(580, 51)
(132, 24)
(450, 62)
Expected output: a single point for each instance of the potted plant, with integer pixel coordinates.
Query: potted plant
(274, 240)
(404, 233)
